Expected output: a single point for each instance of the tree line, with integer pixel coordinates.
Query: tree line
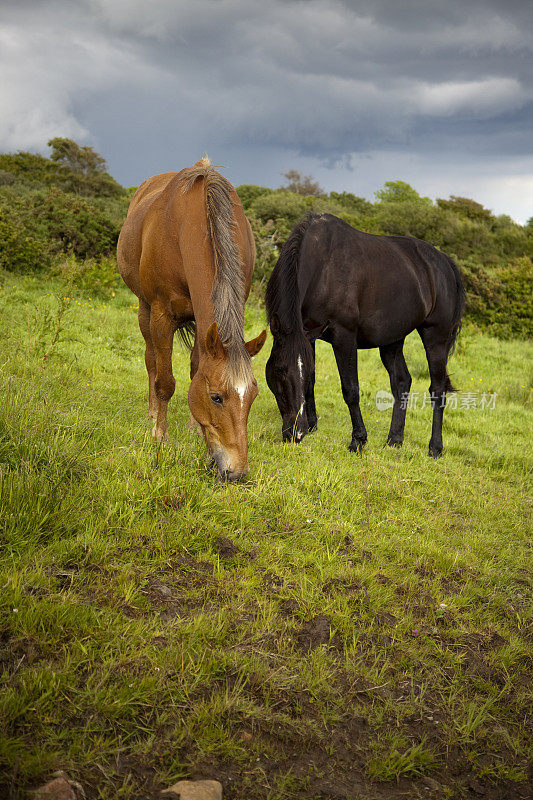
(62, 214)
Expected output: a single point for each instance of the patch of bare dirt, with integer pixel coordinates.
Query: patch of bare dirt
(338, 585)
(17, 651)
(226, 548)
(315, 632)
(289, 607)
(425, 569)
(272, 582)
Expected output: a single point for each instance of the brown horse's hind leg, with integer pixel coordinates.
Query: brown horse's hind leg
(162, 329)
(149, 357)
(194, 427)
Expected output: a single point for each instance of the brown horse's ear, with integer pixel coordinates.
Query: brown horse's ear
(255, 345)
(213, 342)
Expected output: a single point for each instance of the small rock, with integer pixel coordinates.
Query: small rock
(164, 591)
(246, 736)
(196, 790)
(58, 789)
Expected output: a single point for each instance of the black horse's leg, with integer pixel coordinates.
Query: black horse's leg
(345, 350)
(312, 419)
(400, 383)
(436, 346)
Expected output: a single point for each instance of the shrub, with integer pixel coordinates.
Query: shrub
(62, 223)
(19, 251)
(248, 192)
(79, 170)
(267, 244)
(96, 276)
(76, 226)
(500, 298)
(355, 205)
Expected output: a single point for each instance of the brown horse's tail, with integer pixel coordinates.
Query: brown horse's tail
(457, 318)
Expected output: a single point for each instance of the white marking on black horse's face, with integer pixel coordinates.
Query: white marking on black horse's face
(299, 434)
(300, 411)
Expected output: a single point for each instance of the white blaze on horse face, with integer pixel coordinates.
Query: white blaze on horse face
(299, 414)
(301, 371)
(241, 391)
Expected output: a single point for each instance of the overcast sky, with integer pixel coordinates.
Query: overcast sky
(438, 93)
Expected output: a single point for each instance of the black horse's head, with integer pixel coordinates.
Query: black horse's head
(288, 372)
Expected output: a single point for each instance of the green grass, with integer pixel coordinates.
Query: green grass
(368, 631)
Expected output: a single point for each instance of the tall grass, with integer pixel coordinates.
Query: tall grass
(371, 618)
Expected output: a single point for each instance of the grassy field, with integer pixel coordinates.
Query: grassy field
(334, 627)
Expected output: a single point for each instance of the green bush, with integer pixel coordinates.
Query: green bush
(284, 208)
(95, 276)
(267, 247)
(19, 251)
(68, 174)
(353, 204)
(75, 226)
(248, 192)
(501, 298)
(61, 222)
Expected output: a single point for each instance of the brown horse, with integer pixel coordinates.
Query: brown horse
(187, 251)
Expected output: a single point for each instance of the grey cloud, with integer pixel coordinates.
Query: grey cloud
(150, 83)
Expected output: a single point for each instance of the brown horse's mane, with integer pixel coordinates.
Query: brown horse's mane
(228, 293)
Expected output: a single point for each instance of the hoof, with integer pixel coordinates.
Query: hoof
(160, 436)
(356, 446)
(394, 442)
(435, 452)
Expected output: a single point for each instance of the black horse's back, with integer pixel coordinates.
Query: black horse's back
(358, 290)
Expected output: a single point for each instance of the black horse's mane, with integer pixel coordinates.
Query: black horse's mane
(282, 297)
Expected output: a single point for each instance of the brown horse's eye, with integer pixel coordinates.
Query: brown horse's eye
(216, 398)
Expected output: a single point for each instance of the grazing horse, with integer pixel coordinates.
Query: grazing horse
(187, 251)
(358, 290)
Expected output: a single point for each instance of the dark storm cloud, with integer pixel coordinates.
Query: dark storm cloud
(328, 77)
(323, 80)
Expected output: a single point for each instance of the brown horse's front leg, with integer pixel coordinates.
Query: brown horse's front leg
(162, 329)
(193, 426)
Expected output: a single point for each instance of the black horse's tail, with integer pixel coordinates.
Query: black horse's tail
(457, 318)
(282, 296)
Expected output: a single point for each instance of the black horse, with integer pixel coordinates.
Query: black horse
(358, 290)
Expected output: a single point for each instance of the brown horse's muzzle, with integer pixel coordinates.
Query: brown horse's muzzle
(229, 469)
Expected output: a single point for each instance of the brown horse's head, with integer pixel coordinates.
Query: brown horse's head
(220, 398)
